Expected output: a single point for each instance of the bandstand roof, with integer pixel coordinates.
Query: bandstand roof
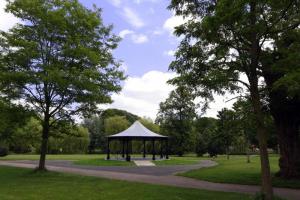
(137, 130)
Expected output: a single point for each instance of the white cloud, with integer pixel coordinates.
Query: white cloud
(143, 1)
(136, 38)
(169, 53)
(139, 38)
(172, 22)
(157, 31)
(116, 3)
(219, 103)
(125, 32)
(142, 95)
(132, 18)
(7, 20)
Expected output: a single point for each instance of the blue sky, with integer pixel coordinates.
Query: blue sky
(146, 51)
(145, 39)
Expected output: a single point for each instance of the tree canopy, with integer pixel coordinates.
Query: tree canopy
(175, 117)
(223, 40)
(58, 61)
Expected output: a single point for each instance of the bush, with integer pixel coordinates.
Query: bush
(3, 151)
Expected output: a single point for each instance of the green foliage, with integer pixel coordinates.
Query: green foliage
(116, 112)
(3, 151)
(95, 127)
(148, 123)
(98, 130)
(27, 138)
(12, 117)
(205, 129)
(76, 140)
(175, 117)
(59, 61)
(60, 56)
(116, 124)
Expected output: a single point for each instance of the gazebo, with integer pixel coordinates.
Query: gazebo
(140, 133)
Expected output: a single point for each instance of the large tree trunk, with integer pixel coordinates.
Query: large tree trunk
(285, 111)
(289, 145)
(262, 135)
(44, 143)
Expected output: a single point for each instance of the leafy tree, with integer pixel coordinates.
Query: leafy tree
(27, 138)
(116, 112)
(58, 61)
(148, 123)
(12, 118)
(175, 117)
(281, 73)
(205, 129)
(246, 123)
(116, 124)
(227, 128)
(223, 40)
(95, 126)
(73, 140)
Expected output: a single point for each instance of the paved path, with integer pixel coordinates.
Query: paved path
(145, 170)
(170, 180)
(143, 163)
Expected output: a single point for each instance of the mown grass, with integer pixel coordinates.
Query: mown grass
(176, 160)
(103, 162)
(237, 170)
(24, 184)
(53, 157)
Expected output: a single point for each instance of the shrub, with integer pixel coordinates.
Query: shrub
(3, 151)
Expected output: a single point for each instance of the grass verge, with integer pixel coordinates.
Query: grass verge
(23, 184)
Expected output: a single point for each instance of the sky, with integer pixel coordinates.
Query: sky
(146, 50)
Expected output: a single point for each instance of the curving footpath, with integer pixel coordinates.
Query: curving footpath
(169, 180)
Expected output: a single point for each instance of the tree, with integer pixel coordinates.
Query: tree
(205, 129)
(281, 73)
(149, 124)
(227, 128)
(95, 126)
(175, 118)
(223, 40)
(12, 118)
(116, 124)
(58, 61)
(27, 138)
(116, 112)
(73, 139)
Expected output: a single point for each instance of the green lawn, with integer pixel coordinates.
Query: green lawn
(54, 157)
(24, 184)
(79, 159)
(102, 162)
(236, 170)
(98, 159)
(176, 160)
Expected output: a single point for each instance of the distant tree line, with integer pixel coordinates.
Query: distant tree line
(20, 132)
(233, 131)
(109, 122)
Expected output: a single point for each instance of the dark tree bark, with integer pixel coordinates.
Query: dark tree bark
(287, 121)
(285, 112)
(267, 189)
(44, 144)
(252, 75)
